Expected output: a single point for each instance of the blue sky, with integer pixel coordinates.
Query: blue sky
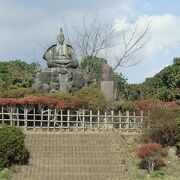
(25, 26)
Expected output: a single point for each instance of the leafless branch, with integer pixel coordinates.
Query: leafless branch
(94, 38)
(132, 46)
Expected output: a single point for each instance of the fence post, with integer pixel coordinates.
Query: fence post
(77, 116)
(98, 119)
(105, 114)
(68, 119)
(17, 116)
(34, 119)
(120, 121)
(11, 117)
(134, 123)
(127, 120)
(112, 119)
(83, 120)
(25, 115)
(48, 119)
(2, 109)
(61, 118)
(91, 119)
(41, 123)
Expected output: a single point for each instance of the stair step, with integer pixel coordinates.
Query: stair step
(50, 169)
(75, 161)
(71, 154)
(72, 157)
(74, 147)
(82, 176)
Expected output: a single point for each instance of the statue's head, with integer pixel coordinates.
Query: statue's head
(60, 37)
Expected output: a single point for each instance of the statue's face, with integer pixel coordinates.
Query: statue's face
(60, 39)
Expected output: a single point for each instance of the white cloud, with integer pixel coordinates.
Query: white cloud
(164, 31)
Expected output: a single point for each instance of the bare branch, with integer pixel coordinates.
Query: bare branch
(94, 38)
(135, 43)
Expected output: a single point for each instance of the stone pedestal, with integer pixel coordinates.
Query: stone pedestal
(59, 80)
(108, 85)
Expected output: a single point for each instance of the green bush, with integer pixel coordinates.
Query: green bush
(19, 93)
(123, 106)
(63, 96)
(12, 146)
(94, 97)
(5, 174)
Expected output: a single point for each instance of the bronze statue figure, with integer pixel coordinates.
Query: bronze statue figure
(61, 54)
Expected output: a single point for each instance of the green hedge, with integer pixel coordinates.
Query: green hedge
(123, 106)
(93, 97)
(12, 146)
(19, 93)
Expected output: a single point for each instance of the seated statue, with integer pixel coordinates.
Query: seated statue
(61, 54)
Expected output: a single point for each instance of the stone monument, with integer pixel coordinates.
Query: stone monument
(62, 74)
(108, 85)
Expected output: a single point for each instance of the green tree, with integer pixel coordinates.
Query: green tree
(122, 85)
(91, 67)
(16, 74)
(164, 86)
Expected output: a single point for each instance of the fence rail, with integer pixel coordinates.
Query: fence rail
(53, 119)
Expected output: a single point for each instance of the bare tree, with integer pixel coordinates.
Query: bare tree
(131, 45)
(95, 39)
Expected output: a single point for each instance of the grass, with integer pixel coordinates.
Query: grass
(132, 171)
(5, 174)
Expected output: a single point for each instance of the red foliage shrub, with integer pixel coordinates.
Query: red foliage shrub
(79, 103)
(33, 101)
(146, 105)
(148, 150)
(151, 155)
(170, 104)
(44, 102)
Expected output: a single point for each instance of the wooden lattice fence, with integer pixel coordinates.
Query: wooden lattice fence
(53, 119)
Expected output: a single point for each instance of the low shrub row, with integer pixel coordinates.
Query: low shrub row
(20, 93)
(89, 98)
(33, 101)
(143, 105)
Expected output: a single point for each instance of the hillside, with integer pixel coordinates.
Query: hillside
(164, 86)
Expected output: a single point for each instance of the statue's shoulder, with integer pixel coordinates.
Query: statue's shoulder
(47, 51)
(70, 47)
(52, 46)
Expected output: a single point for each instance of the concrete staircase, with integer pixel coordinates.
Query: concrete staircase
(73, 156)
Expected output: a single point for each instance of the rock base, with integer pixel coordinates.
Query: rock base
(59, 80)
